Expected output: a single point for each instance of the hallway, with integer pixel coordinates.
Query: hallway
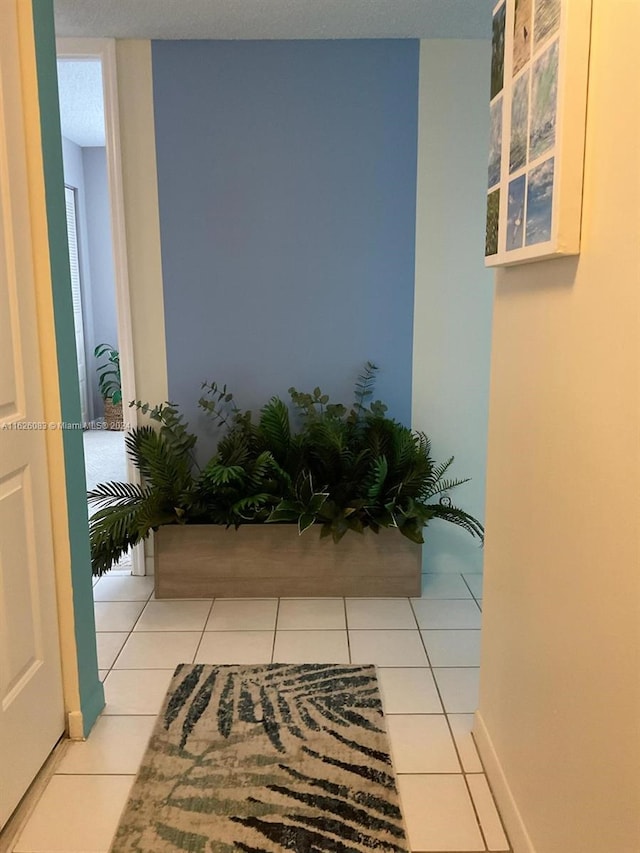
(427, 651)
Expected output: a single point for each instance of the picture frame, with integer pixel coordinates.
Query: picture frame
(538, 102)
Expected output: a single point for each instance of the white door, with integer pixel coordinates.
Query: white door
(31, 705)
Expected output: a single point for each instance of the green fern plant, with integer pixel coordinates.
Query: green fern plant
(109, 379)
(375, 472)
(342, 468)
(126, 513)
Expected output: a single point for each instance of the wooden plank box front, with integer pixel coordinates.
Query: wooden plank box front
(273, 560)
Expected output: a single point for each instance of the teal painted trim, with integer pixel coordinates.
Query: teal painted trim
(91, 689)
(92, 704)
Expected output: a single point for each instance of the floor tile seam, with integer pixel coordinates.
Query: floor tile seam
(143, 601)
(169, 600)
(443, 598)
(244, 630)
(476, 812)
(111, 716)
(413, 613)
(446, 715)
(491, 792)
(199, 644)
(467, 585)
(346, 627)
(415, 616)
(430, 773)
(157, 631)
(147, 669)
(482, 835)
(441, 699)
(415, 598)
(424, 646)
(151, 668)
(461, 762)
(96, 773)
(115, 660)
(275, 632)
(455, 666)
(308, 628)
(449, 850)
(450, 629)
(266, 630)
(458, 627)
(371, 628)
(418, 713)
(241, 599)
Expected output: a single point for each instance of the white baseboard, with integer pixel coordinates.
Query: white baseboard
(149, 563)
(511, 817)
(75, 725)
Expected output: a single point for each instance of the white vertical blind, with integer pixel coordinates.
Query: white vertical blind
(72, 233)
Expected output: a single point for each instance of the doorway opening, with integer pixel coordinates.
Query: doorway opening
(97, 251)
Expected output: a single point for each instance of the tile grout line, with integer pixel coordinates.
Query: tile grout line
(494, 801)
(475, 809)
(115, 660)
(275, 632)
(346, 628)
(429, 666)
(204, 630)
(128, 633)
(455, 744)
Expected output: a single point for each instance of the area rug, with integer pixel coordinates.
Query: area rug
(264, 759)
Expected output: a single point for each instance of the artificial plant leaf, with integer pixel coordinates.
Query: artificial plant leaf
(284, 512)
(317, 502)
(354, 522)
(413, 531)
(305, 521)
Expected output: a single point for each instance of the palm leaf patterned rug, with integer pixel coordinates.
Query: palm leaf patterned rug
(263, 759)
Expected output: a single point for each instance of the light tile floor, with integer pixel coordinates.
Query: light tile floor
(427, 653)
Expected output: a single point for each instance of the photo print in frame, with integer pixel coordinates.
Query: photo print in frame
(537, 115)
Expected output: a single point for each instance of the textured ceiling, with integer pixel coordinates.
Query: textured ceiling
(81, 104)
(81, 84)
(274, 19)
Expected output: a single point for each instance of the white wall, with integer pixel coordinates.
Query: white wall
(559, 718)
(140, 193)
(74, 177)
(453, 297)
(85, 169)
(100, 245)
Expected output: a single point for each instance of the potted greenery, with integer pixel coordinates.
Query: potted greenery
(109, 384)
(334, 468)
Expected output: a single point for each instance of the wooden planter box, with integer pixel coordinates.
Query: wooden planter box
(272, 560)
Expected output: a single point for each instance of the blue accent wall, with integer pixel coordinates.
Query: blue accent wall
(287, 190)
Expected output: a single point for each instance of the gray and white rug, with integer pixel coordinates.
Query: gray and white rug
(264, 759)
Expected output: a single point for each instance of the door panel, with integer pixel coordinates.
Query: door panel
(31, 704)
(21, 641)
(11, 389)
